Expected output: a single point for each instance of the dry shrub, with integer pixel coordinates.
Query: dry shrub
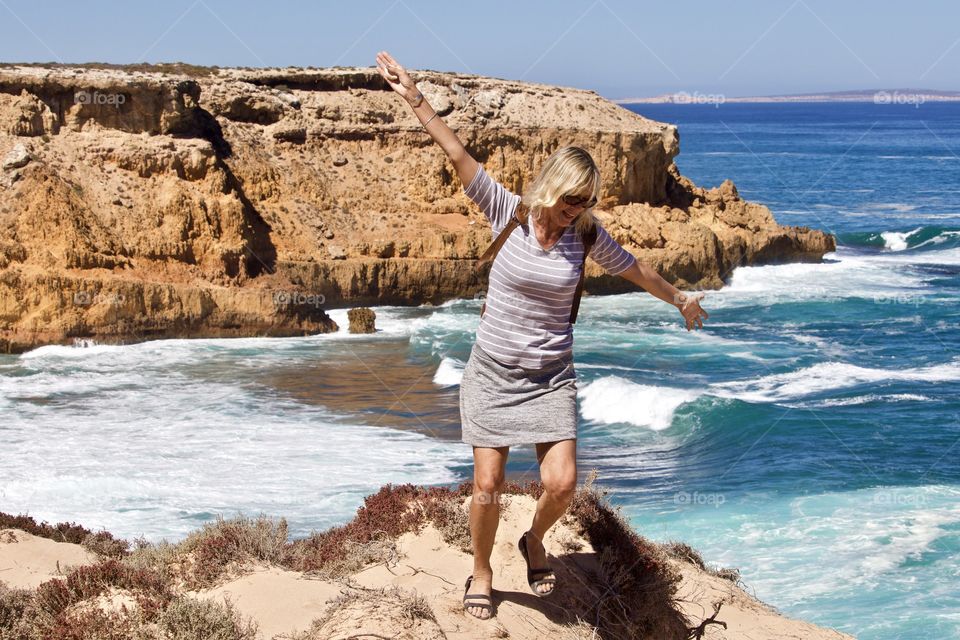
(95, 624)
(147, 587)
(168, 68)
(224, 545)
(162, 557)
(386, 514)
(579, 630)
(199, 619)
(637, 580)
(105, 546)
(452, 520)
(17, 611)
(684, 552)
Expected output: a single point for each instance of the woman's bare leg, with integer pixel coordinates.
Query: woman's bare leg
(489, 466)
(558, 473)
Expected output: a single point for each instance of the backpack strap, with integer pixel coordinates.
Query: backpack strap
(491, 253)
(589, 238)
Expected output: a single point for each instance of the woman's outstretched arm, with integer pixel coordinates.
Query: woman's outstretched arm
(401, 82)
(687, 303)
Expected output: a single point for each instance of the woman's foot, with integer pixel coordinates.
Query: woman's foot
(536, 557)
(479, 584)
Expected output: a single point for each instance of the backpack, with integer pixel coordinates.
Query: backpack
(589, 238)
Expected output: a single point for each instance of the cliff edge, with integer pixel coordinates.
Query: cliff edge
(174, 201)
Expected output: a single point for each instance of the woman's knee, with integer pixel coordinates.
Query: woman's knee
(562, 484)
(487, 485)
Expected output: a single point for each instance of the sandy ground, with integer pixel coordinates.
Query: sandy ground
(285, 602)
(26, 560)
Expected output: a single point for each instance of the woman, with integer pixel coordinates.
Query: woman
(519, 385)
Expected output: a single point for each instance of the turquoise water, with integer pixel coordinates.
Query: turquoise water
(809, 435)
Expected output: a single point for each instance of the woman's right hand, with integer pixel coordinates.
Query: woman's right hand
(396, 76)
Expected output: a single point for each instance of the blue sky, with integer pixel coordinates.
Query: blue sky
(615, 47)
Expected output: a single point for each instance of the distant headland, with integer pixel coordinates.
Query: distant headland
(877, 96)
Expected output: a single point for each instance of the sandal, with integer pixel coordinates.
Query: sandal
(476, 596)
(532, 574)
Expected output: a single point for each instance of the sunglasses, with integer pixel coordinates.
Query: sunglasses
(575, 201)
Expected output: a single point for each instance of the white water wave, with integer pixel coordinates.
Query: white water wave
(612, 400)
(897, 240)
(449, 373)
(825, 377)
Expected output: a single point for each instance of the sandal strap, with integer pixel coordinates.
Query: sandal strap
(471, 596)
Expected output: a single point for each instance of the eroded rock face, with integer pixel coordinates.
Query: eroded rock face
(362, 320)
(141, 204)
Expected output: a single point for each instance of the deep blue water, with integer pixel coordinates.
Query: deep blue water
(808, 435)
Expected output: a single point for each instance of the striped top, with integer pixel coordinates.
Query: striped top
(530, 295)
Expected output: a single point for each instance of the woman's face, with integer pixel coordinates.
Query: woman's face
(563, 214)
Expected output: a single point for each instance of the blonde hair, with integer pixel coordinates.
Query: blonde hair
(569, 170)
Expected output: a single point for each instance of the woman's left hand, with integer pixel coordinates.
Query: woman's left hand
(691, 311)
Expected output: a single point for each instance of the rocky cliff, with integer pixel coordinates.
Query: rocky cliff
(175, 201)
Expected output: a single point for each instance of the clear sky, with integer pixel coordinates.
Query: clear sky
(615, 47)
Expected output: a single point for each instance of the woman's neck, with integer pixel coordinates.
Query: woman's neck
(549, 229)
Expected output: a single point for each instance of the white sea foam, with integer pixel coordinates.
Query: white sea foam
(940, 238)
(836, 542)
(156, 438)
(746, 355)
(449, 373)
(900, 207)
(897, 240)
(827, 376)
(612, 400)
(843, 275)
(871, 397)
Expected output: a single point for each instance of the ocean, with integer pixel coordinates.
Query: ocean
(809, 435)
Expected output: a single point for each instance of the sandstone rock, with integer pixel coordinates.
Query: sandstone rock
(362, 320)
(297, 135)
(17, 157)
(26, 115)
(188, 199)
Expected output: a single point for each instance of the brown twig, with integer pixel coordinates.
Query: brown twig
(697, 632)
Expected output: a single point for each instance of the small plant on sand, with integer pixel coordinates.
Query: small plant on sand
(189, 618)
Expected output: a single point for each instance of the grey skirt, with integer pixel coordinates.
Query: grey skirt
(504, 406)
